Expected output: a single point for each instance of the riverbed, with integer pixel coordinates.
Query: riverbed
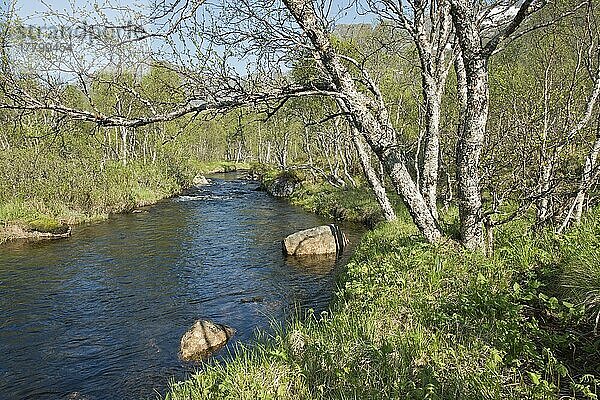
(100, 315)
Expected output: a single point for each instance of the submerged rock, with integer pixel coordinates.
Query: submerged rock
(203, 339)
(200, 180)
(252, 176)
(256, 299)
(326, 239)
(315, 264)
(18, 232)
(63, 232)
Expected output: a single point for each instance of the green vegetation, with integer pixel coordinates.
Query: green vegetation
(350, 203)
(44, 195)
(355, 204)
(55, 171)
(414, 320)
(213, 167)
(411, 319)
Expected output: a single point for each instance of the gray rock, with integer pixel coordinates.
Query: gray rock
(326, 239)
(255, 299)
(200, 180)
(76, 396)
(283, 186)
(203, 339)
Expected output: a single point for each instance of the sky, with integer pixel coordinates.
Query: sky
(31, 12)
(28, 9)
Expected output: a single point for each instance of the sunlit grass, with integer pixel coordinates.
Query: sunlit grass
(416, 321)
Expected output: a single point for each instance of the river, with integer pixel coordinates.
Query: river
(100, 315)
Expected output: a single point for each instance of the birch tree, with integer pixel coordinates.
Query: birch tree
(475, 53)
(368, 114)
(429, 25)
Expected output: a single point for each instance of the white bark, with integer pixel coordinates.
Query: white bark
(472, 129)
(374, 182)
(375, 126)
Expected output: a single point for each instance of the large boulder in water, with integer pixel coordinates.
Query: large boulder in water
(326, 239)
(200, 180)
(203, 339)
(283, 186)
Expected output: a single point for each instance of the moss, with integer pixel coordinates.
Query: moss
(46, 225)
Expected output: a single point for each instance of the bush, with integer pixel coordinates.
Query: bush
(39, 191)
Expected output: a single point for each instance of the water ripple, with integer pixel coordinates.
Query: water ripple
(103, 312)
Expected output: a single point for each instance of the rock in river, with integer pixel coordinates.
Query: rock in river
(283, 186)
(200, 180)
(203, 339)
(326, 239)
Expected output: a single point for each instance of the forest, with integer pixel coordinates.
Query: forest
(466, 134)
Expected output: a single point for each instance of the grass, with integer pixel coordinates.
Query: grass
(342, 204)
(355, 204)
(212, 167)
(579, 269)
(57, 191)
(417, 321)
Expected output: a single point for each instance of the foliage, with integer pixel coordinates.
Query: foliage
(579, 279)
(413, 320)
(355, 204)
(55, 171)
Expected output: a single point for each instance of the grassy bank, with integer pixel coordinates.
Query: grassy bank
(412, 320)
(342, 204)
(54, 192)
(214, 167)
(355, 204)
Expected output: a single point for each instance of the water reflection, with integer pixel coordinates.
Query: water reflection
(103, 312)
(320, 265)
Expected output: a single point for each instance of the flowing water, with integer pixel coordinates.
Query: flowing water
(100, 315)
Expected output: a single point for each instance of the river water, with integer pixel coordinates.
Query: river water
(100, 315)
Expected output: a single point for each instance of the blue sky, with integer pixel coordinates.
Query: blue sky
(28, 9)
(31, 12)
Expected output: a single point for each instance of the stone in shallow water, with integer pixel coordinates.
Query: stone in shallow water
(200, 180)
(255, 299)
(76, 396)
(283, 186)
(315, 264)
(203, 339)
(326, 239)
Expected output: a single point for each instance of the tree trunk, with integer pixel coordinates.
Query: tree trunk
(468, 152)
(472, 128)
(377, 129)
(587, 179)
(124, 144)
(431, 35)
(371, 175)
(431, 151)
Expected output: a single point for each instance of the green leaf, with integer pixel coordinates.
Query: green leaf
(535, 378)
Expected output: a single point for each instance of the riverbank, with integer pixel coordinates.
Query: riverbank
(353, 204)
(49, 210)
(413, 320)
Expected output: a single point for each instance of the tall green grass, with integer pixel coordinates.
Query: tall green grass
(416, 321)
(345, 204)
(579, 267)
(41, 190)
(356, 204)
